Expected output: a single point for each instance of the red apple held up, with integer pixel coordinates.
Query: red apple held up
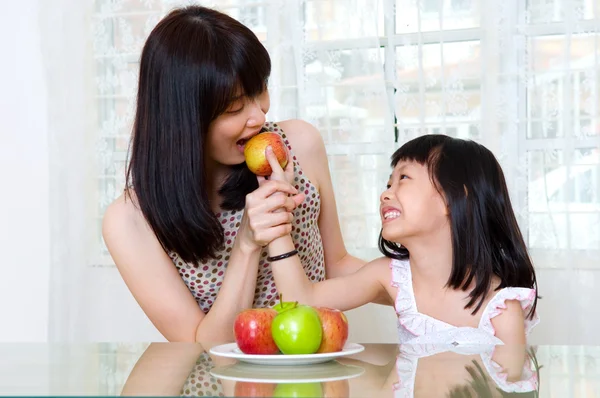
(252, 331)
(256, 158)
(335, 329)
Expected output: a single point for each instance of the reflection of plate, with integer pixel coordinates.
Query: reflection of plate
(231, 350)
(315, 373)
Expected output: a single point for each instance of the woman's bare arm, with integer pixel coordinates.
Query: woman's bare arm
(157, 286)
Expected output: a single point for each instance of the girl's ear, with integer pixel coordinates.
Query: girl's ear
(445, 205)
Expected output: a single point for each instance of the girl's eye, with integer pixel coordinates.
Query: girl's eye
(403, 176)
(388, 186)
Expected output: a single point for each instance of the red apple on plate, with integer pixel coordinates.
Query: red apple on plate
(252, 331)
(256, 157)
(335, 329)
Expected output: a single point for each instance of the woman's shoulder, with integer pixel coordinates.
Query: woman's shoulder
(308, 148)
(127, 234)
(123, 216)
(304, 138)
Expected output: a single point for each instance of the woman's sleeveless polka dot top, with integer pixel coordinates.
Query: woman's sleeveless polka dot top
(204, 280)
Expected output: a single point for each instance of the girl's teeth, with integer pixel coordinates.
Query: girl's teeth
(391, 214)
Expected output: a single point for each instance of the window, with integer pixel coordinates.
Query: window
(461, 5)
(371, 74)
(432, 5)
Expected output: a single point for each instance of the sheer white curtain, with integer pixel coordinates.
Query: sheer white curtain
(519, 76)
(69, 81)
(46, 143)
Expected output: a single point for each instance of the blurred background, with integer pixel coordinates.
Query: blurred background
(519, 76)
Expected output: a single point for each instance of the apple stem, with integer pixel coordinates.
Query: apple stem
(281, 299)
(295, 304)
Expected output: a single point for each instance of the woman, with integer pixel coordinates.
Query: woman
(189, 233)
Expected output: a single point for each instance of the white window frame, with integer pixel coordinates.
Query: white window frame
(489, 136)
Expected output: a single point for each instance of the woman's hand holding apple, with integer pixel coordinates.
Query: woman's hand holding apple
(268, 213)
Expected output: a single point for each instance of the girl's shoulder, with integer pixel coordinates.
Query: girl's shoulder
(380, 269)
(515, 301)
(382, 263)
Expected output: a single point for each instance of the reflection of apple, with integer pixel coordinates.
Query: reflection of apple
(250, 389)
(256, 158)
(335, 329)
(336, 389)
(299, 390)
(297, 330)
(252, 331)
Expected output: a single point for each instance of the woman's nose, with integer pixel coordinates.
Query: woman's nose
(257, 116)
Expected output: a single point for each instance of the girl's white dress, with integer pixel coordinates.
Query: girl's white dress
(421, 335)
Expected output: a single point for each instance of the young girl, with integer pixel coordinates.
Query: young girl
(456, 267)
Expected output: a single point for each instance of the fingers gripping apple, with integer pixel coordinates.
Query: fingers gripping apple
(254, 152)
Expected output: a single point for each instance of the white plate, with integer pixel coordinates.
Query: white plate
(231, 350)
(315, 373)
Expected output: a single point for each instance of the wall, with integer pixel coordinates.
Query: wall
(24, 204)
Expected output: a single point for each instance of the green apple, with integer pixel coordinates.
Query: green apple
(284, 305)
(297, 330)
(298, 390)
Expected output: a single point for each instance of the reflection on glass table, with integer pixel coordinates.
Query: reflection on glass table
(381, 370)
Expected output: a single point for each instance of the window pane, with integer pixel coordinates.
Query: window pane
(549, 53)
(585, 177)
(547, 231)
(344, 90)
(564, 200)
(442, 86)
(127, 6)
(254, 17)
(115, 116)
(585, 231)
(359, 219)
(424, 15)
(342, 19)
(122, 34)
(547, 179)
(563, 77)
(546, 11)
(116, 75)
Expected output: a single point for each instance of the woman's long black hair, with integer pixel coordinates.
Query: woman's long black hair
(193, 63)
(486, 239)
